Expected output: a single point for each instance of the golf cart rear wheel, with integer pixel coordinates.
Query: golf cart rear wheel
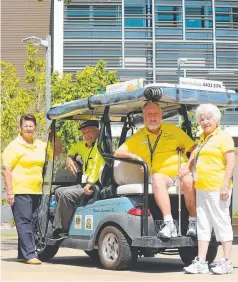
(114, 249)
(48, 253)
(187, 254)
(92, 254)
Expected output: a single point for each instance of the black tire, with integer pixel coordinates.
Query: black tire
(126, 256)
(92, 254)
(48, 253)
(187, 254)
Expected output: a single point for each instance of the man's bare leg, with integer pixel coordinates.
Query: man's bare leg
(189, 194)
(190, 202)
(160, 183)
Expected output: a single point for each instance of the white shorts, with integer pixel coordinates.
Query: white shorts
(212, 212)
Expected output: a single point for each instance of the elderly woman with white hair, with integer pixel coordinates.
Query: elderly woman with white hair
(212, 163)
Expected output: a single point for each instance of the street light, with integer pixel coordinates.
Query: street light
(36, 41)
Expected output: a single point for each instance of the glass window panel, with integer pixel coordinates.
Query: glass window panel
(199, 35)
(226, 3)
(77, 11)
(135, 16)
(223, 15)
(235, 14)
(92, 34)
(168, 14)
(137, 34)
(130, 22)
(134, 10)
(198, 14)
(227, 18)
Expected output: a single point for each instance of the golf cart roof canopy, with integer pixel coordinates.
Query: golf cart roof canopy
(122, 103)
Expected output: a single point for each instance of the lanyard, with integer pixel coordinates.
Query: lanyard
(153, 149)
(86, 164)
(199, 151)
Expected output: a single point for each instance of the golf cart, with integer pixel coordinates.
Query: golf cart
(121, 221)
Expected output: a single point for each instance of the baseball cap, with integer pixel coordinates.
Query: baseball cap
(89, 123)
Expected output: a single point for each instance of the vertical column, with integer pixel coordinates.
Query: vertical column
(58, 36)
(184, 19)
(153, 41)
(48, 81)
(123, 32)
(214, 34)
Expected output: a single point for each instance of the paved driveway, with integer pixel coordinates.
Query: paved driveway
(74, 265)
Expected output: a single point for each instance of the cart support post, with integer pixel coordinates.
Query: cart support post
(179, 150)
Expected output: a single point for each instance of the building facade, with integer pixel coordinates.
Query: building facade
(21, 19)
(145, 38)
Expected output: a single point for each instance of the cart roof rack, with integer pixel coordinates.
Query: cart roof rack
(122, 103)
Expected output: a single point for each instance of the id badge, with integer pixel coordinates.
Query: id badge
(84, 178)
(195, 175)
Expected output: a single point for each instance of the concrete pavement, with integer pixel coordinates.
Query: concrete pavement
(74, 265)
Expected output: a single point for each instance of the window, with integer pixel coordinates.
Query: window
(235, 15)
(223, 15)
(198, 17)
(169, 15)
(74, 12)
(134, 16)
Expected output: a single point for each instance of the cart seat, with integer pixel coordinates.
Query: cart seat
(130, 180)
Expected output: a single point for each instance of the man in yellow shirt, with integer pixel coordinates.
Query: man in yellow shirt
(70, 197)
(157, 144)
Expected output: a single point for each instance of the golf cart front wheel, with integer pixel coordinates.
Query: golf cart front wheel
(187, 254)
(48, 253)
(114, 249)
(44, 252)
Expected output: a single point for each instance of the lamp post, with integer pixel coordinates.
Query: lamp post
(46, 43)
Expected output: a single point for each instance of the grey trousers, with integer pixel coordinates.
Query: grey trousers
(68, 198)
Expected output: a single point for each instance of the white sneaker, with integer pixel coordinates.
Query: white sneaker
(167, 230)
(197, 267)
(224, 267)
(192, 229)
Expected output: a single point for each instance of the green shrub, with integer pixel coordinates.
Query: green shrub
(235, 213)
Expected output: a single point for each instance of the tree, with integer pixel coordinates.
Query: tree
(91, 80)
(17, 100)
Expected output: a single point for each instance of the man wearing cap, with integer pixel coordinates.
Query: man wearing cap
(92, 162)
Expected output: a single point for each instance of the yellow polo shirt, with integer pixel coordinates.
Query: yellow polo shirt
(92, 160)
(165, 156)
(26, 162)
(211, 163)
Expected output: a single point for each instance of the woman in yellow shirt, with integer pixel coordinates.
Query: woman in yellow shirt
(212, 164)
(23, 161)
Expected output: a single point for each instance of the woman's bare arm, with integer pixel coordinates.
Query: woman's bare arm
(7, 174)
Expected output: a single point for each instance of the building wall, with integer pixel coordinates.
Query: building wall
(21, 19)
(145, 38)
